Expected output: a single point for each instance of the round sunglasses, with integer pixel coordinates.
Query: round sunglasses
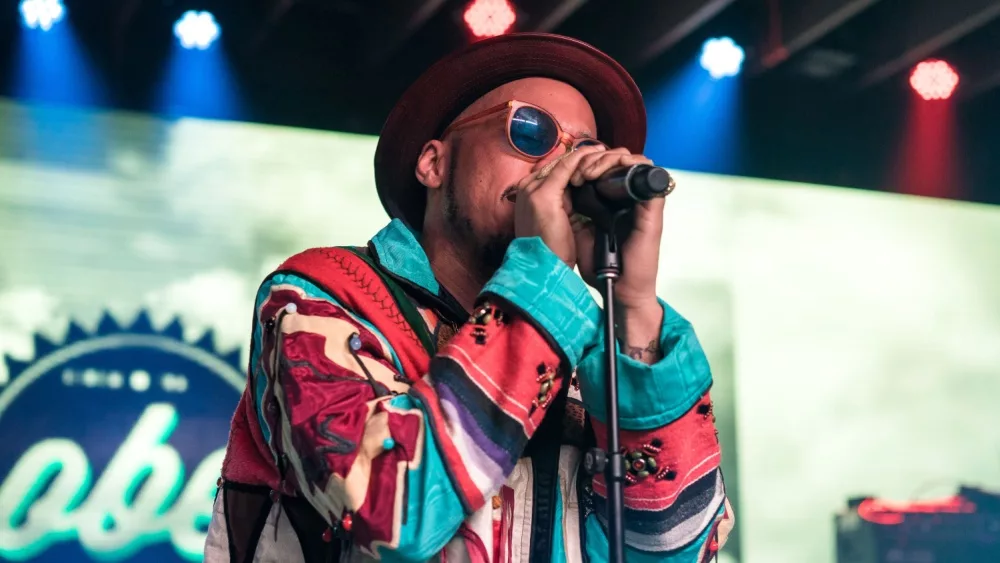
(531, 130)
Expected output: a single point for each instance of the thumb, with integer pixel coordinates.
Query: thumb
(649, 216)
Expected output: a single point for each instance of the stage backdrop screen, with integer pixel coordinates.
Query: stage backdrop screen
(853, 336)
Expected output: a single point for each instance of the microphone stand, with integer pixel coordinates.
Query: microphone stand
(607, 268)
(613, 221)
(611, 214)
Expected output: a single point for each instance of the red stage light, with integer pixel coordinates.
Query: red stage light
(934, 80)
(487, 18)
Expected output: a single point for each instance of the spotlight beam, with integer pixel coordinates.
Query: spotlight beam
(489, 18)
(934, 79)
(196, 30)
(803, 22)
(722, 57)
(930, 26)
(392, 23)
(41, 14)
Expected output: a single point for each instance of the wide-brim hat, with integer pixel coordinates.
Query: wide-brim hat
(461, 78)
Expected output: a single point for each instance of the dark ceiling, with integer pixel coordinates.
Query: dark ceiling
(825, 94)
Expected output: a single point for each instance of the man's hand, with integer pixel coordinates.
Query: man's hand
(543, 205)
(641, 252)
(639, 314)
(543, 208)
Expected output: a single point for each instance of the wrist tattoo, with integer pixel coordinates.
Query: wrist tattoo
(649, 351)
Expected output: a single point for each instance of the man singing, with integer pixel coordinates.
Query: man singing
(429, 395)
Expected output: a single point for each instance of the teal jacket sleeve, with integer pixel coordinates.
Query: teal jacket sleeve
(650, 396)
(675, 501)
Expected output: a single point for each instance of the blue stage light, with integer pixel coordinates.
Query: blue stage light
(196, 30)
(722, 57)
(42, 14)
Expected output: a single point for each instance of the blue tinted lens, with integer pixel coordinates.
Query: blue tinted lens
(587, 143)
(533, 132)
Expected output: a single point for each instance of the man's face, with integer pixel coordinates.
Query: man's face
(482, 168)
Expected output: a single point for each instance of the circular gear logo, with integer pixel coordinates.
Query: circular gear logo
(111, 444)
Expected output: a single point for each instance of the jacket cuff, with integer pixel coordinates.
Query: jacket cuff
(650, 396)
(542, 286)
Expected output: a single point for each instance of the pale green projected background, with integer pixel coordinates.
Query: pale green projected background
(855, 337)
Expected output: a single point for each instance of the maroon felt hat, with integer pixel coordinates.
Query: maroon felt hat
(458, 80)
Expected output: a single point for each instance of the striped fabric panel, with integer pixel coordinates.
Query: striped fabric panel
(483, 394)
(491, 432)
(440, 425)
(675, 488)
(695, 551)
(495, 390)
(677, 525)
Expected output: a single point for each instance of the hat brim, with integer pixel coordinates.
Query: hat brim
(458, 80)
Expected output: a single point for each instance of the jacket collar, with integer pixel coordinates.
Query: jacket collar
(399, 253)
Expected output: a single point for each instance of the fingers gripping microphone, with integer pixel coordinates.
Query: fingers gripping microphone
(619, 189)
(626, 185)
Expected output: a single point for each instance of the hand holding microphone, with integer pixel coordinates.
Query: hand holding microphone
(621, 188)
(592, 181)
(607, 184)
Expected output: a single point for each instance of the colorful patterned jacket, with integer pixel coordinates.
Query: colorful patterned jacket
(383, 422)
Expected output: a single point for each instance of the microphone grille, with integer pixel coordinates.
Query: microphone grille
(654, 181)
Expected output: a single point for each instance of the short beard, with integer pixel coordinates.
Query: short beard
(488, 254)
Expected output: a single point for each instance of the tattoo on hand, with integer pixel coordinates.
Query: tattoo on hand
(650, 351)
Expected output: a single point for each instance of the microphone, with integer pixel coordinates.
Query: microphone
(620, 189)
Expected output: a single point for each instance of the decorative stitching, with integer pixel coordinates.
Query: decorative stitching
(365, 282)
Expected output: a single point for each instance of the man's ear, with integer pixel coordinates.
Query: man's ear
(432, 164)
